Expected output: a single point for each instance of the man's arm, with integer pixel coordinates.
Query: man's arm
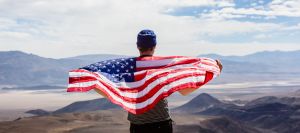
(220, 65)
(100, 92)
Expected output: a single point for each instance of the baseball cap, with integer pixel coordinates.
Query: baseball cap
(146, 38)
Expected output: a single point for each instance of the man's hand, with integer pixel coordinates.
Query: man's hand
(220, 65)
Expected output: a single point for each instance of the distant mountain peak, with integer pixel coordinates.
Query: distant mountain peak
(204, 97)
(199, 103)
(16, 53)
(38, 112)
(89, 105)
(273, 99)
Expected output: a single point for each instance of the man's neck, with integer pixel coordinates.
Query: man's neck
(145, 55)
(148, 53)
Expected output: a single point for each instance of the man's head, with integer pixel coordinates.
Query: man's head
(146, 41)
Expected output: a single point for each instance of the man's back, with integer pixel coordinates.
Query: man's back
(158, 118)
(159, 112)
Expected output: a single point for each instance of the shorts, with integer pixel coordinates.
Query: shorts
(156, 127)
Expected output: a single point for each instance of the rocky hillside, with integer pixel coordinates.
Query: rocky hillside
(265, 114)
(277, 114)
(81, 106)
(115, 121)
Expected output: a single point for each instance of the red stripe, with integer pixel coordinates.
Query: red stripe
(73, 80)
(138, 77)
(80, 89)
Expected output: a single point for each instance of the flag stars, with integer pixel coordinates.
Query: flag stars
(116, 70)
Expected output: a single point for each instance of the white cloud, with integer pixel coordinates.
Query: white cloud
(4, 23)
(294, 27)
(285, 8)
(110, 26)
(186, 3)
(228, 48)
(228, 27)
(14, 35)
(262, 36)
(288, 8)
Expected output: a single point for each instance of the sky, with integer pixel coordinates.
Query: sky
(65, 28)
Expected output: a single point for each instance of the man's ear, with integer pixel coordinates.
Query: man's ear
(153, 48)
(139, 48)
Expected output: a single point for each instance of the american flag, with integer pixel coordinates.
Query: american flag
(138, 83)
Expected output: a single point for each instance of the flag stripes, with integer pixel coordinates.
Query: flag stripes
(155, 78)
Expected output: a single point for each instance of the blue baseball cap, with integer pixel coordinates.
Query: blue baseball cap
(146, 39)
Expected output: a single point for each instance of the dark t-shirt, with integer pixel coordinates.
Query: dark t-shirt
(159, 112)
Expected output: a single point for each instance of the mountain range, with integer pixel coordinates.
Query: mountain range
(80, 106)
(264, 114)
(115, 121)
(280, 115)
(23, 69)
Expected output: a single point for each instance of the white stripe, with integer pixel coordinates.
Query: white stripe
(155, 63)
(145, 90)
(83, 84)
(132, 84)
(79, 74)
(210, 68)
(151, 100)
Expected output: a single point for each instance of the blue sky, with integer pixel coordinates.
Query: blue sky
(283, 36)
(63, 28)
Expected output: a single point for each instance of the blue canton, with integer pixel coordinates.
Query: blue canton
(116, 70)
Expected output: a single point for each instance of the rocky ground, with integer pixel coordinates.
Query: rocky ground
(114, 121)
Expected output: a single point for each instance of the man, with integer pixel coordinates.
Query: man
(156, 120)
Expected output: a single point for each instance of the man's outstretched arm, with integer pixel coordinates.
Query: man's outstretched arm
(100, 92)
(220, 65)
